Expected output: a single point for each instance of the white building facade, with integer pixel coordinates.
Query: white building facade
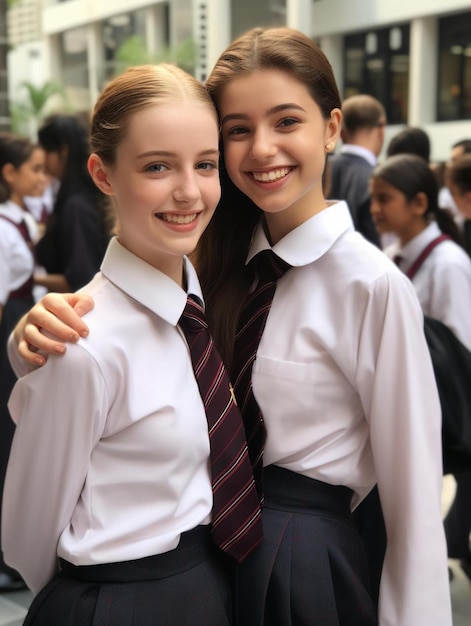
(414, 56)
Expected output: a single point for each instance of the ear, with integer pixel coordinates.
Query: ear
(99, 173)
(333, 128)
(420, 204)
(8, 171)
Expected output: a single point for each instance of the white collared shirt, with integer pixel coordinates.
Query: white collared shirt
(16, 259)
(443, 281)
(344, 380)
(110, 459)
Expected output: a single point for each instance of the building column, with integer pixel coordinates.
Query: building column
(155, 28)
(332, 47)
(299, 15)
(212, 32)
(423, 71)
(95, 61)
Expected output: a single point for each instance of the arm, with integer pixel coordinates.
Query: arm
(398, 390)
(59, 315)
(60, 410)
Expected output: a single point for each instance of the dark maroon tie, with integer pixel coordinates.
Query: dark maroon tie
(237, 524)
(268, 268)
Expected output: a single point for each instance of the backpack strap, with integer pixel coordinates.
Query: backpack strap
(424, 254)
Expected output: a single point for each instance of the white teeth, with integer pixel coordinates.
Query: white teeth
(268, 177)
(178, 219)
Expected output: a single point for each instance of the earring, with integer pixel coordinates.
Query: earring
(329, 146)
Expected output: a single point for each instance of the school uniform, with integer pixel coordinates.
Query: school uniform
(443, 285)
(17, 230)
(345, 384)
(442, 282)
(129, 480)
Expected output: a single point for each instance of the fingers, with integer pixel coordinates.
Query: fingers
(53, 321)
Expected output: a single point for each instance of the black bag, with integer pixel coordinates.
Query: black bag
(452, 366)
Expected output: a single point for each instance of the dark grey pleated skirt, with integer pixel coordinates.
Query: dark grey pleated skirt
(311, 569)
(186, 586)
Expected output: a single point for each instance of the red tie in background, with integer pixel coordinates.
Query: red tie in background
(269, 268)
(237, 524)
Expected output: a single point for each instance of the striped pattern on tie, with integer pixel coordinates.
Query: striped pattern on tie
(269, 268)
(236, 526)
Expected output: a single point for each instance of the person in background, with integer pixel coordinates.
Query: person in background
(364, 120)
(458, 518)
(81, 223)
(410, 140)
(22, 174)
(113, 444)
(445, 198)
(404, 200)
(343, 402)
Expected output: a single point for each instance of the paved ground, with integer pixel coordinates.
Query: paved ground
(13, 606)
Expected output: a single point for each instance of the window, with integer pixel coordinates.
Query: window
(454, 75)
(377, 63)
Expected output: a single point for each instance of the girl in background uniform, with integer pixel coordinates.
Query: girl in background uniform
(428, 248)
(342, 374)
(21, 174)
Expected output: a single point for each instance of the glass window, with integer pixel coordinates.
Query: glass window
(454, 82)
(377, 63)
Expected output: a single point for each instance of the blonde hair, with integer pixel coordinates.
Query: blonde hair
(134, 90)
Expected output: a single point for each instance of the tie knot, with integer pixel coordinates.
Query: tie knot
(193, 319)
(269, 267)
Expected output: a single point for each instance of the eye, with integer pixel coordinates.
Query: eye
(207, 166)
(287, 122)
(236, 130)
(156, 167)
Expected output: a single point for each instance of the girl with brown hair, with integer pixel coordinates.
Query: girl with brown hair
(342, 383)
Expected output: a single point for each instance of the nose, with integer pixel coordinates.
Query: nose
(262, 145)
(187, 189)
(374, 206)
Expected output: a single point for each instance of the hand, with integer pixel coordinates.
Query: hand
(60, 316)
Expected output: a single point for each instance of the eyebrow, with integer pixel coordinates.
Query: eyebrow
(271, 111)
(165, 153)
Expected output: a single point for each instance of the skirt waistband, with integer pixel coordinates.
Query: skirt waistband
(195, 546)
(287, 490)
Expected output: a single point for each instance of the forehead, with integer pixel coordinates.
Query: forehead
(264, 87)
(161, 125)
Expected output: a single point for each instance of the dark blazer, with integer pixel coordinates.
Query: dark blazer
(349, 180)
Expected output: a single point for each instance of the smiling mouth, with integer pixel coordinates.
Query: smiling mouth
(271, 176)
(177, 219)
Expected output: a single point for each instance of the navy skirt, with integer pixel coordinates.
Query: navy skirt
(186, 586)
(311, 568)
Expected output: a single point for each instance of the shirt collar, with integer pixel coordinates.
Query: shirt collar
(13, 211)
(366, 154)
(310, 240)
(413, 248)
(147, 285)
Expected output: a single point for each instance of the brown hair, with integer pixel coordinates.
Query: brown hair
(459, 173)
(135, 89)
(360, 112)
(411, 174)
(222, 250)
(14, 150)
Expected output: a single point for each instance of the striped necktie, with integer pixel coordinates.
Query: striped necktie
(237, 524)
(268, 268)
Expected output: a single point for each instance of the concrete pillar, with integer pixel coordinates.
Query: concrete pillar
(299, 15)
(212, 32)
(423, 71)
(95, 61)
(332, 46)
